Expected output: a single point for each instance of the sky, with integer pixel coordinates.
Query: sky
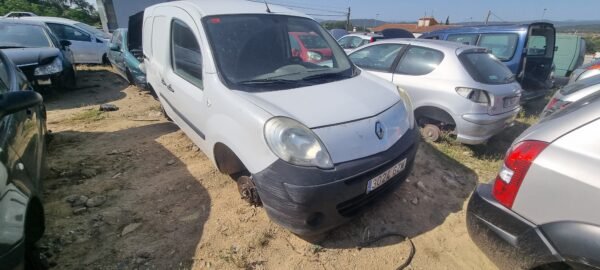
(458, 10)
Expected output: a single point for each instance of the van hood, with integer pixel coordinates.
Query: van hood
(332, 103)
(31, 56)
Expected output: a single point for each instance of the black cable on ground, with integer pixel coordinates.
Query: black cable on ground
(408, 260)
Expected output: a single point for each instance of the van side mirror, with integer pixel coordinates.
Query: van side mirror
(65, 43)
(115, 47)
(15, 101)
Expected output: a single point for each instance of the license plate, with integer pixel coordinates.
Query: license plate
(510, 102)
(386, 176)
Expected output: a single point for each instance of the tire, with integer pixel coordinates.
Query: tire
(105, 61)
(431, 133)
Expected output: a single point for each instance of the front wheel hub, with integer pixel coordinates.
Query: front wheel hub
(248, 191)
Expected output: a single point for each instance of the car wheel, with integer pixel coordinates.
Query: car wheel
(105, 60)
(72, 80)
(248, 190)
(431, 133)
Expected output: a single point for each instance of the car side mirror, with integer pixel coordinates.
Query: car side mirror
(115, 47)
(65, 43)
(15, 101)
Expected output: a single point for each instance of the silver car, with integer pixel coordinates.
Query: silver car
(585, 71)
(571, 93)
(453, 86)
(541, 212)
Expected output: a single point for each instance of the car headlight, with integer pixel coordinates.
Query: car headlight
(315, 56)
(408, 105)
(296, 143)
(54, 67)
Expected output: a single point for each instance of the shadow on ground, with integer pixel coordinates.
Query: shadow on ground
(92, 88)
(151, 196)
(437, 187)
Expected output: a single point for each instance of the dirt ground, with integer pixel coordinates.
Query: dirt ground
(159, 203)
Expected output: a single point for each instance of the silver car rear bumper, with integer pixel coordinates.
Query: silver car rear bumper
(478, 128)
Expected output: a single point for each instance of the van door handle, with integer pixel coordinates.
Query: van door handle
(167, 85)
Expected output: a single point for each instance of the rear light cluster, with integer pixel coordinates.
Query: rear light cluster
(475, 95)
(556, 104)
(593, 67)
(516, 164)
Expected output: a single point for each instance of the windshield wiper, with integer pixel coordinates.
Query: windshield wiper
(328, 75)
(268, 81)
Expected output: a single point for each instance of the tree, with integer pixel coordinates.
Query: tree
(79, 10)
(447, 20)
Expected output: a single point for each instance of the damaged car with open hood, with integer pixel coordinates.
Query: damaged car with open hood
(312, 141)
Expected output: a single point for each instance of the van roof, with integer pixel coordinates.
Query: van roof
(226, 7)
(486, 27)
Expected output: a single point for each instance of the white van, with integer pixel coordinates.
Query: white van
(311, 138)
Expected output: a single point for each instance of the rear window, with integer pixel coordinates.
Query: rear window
(313, 41)
(503, 46)
(485, 68)
(468, 39)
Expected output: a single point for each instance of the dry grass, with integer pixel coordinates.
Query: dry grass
(90, 115)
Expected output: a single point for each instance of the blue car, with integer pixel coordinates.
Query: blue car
(526, 49)
(125, 58)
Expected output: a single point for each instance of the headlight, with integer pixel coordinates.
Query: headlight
(296, 144)
(408, 105)
(315, 56)
(54, 67)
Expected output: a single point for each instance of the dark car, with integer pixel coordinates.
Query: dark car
(46, 61)
(526, 49)
(22, 165)
(125, 59)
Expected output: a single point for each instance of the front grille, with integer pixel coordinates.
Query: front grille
(351, 207)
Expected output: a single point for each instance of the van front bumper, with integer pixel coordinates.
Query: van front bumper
(310, 201)
(478, 128)
(508, 239)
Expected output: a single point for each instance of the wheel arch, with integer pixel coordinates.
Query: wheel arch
(35, 220)
(435, 114)
(226, 160)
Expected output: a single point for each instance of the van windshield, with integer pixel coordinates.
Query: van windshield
(486, 68)
(261, 52)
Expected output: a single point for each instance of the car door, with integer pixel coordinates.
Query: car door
(183, 77)
(116, 57)
(83, 44)
(378, 59)
(414, 64)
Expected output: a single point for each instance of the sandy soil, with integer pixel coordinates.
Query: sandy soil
(162, 204)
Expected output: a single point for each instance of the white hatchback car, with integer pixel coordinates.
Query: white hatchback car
(312, 141)
(89, 45)
(353, 41)
(453, 86)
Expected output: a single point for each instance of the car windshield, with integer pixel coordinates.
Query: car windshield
(22, 36)
(486, 68)
(97, 32)
(257, 52)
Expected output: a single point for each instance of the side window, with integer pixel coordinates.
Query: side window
(69, 33)
(467, 39)
(536, 46)
(355, 42)
(186, 55)
(503, 46)
(379, 57)
(419, 61)
(345, 42)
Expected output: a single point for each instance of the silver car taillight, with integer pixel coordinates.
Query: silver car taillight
(475, 95)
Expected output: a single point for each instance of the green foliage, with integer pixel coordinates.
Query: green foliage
(592, 43)
(79, 10)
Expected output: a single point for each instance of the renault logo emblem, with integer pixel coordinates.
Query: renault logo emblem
(379, 130)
